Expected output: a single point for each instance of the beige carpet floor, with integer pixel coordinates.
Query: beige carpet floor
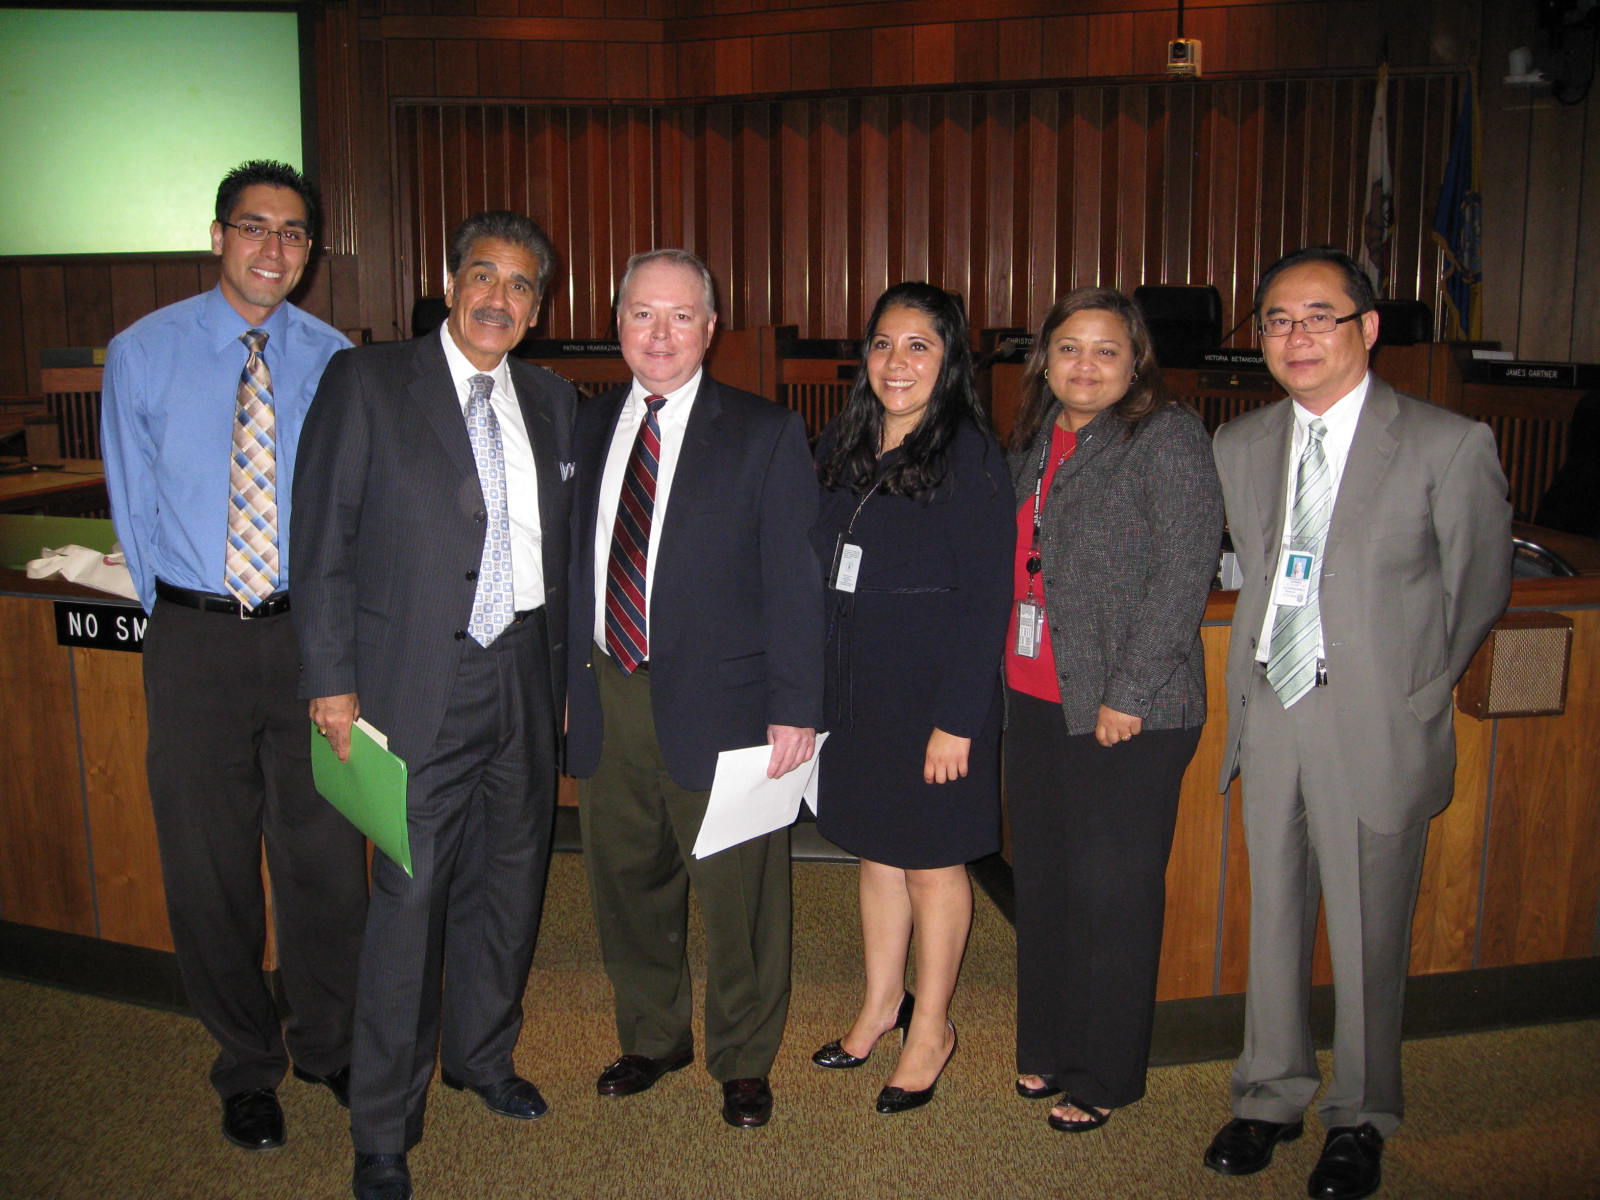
(109, 1101)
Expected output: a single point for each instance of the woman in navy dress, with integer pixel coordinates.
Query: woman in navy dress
(914, 540)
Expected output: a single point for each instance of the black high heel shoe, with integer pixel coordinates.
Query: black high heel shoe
(836, 1057)
(898, 1100)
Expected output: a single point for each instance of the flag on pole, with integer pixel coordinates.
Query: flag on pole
(1457, 226)
(1377, 223)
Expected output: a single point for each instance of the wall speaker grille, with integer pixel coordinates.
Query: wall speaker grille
(1521, 669)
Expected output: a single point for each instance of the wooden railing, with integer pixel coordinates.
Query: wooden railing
(72, 394)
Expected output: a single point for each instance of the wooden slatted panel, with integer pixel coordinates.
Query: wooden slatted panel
(807, 208)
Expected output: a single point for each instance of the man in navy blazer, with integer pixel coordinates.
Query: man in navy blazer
(723, 650)
(433, 500)
(1345, 759)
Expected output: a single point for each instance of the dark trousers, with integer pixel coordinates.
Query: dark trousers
(480, 809)
(229, 763)
(639, 828)
(1091, 829)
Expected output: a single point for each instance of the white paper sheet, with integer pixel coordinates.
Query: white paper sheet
(746, 804)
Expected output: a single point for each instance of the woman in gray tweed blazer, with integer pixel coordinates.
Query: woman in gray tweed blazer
(1119, 523)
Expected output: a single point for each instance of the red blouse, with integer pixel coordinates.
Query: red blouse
(1035, 676)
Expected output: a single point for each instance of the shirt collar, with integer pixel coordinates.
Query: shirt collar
(1341, 416)
(225, 324)
(462, 370)
(688, 391)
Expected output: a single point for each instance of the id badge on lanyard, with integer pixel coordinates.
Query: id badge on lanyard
(846, 568)
(1030, 613)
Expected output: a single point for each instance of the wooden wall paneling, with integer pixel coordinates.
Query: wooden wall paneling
(627, 72)
(999, 168)
(1544, 854)
(810, 61)
(1331, 165)
(1276, 171)
(133, 293)
(127, 860)
(1081, 185)
(1047, 216)
(544, 69)
(500, 68)
(850, 55)
(1444, 930)
(180, 279)
(1302, 38)
(409, 64)
(456, 60)
(549, 190)
(1019, 49)
(1128, 198)
(880, 185)
(794, 169)
(344, 280)
(955, 187)
(735, 67)
(87, 291)
(1210, 26)
(1229, 193)
(44, 850)
(583, 70)
(383, 263)
(1233, 960)
(720, 198)
(42, 289)
(1507, 117)
(315, 292)
(910, 241)
(643, 180)
(830, 213)
(1174, 158)
(430, 168)
(1194, 872)
(674, 196)
(13, 345)
(1110, 39)
(1586, 283)
(976, 52)
(933, 53)
(1550, 255)
(697, 69)
(770, 64)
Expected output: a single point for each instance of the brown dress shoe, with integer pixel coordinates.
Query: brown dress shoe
(634, 1073)
(746, 1103)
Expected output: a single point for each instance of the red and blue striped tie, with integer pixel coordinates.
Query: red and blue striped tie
(627, 637)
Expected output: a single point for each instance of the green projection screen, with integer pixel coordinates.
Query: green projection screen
(117, 125)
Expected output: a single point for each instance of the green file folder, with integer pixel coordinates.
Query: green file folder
(370, 789)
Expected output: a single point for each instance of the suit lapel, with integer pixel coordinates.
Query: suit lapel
(1371, 452)
(1268, 456)
(434, 393)
(540, 423)
(693, 474)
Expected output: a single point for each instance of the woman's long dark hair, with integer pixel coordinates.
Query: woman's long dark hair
(1144, 393)
(852, 459)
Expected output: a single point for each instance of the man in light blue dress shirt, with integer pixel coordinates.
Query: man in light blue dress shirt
(229, 742)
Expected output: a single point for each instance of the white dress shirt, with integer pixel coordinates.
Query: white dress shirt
(673, 419)
(1340, 420)
(522, 478)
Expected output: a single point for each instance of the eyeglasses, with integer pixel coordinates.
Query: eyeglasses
(1315, 323)
(289, 237)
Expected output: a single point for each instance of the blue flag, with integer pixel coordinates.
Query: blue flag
(1458, 227)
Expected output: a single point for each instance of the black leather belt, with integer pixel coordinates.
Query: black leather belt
(274, 604)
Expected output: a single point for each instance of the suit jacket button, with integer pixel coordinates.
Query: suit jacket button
(459, 634)
(472, 575)
(480, 515)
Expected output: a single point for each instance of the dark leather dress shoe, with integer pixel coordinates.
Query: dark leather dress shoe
(1350, 1166)
(893, 1100)
(1244, 1146)
(512, 1097)
(836, 1057)
(337, 1082)
(381, 1177)
(253, 1120)
(746, 1103)
(634, 1073)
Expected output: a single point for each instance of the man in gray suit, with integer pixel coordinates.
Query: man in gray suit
(432, 499)
(1374, 539)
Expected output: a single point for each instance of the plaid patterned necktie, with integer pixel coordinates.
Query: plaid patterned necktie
(626, 635)
(250, 570)
(492, 603)
(1296, 632)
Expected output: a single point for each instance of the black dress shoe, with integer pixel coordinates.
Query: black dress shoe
(893, 1100)
(381, 1177)
(512, 1097)
(746, 1103)
(253, 1120)
(634, 1073)
(337, 1082)
(836, 1057)
(1350, 1166)
(1243, 1146)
